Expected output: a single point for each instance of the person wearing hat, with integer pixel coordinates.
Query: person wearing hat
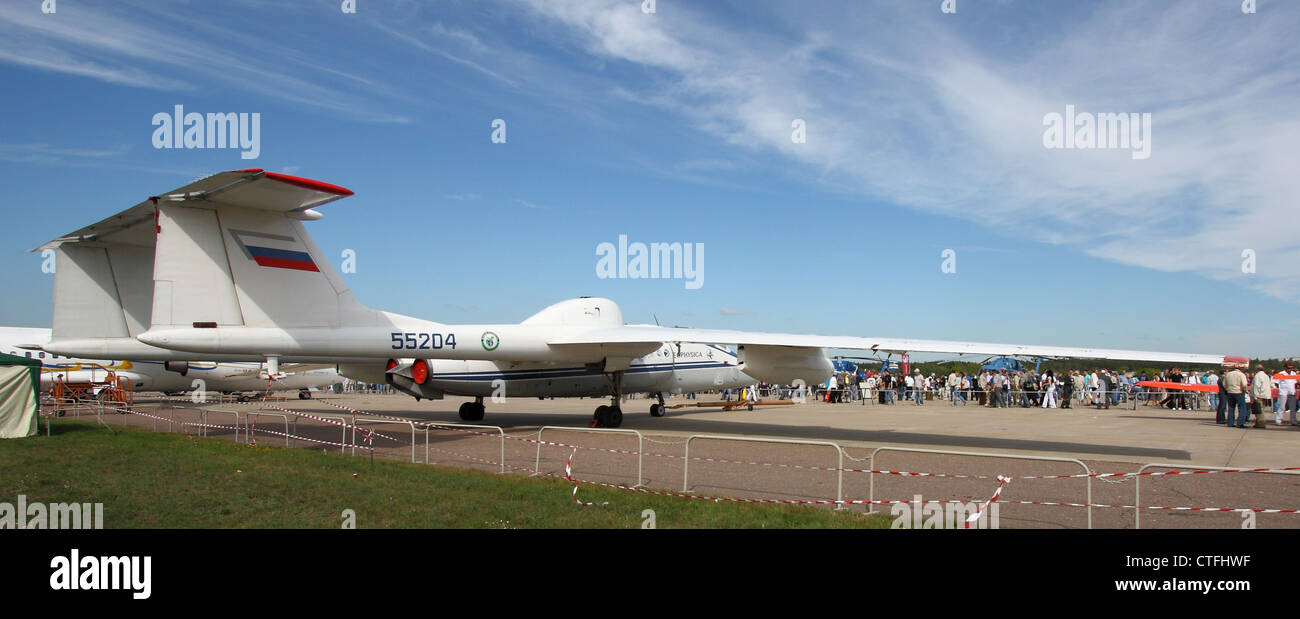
(918, 394)
(1234, 385)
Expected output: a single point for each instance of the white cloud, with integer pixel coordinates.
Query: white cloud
(927, 111)
(146, 50)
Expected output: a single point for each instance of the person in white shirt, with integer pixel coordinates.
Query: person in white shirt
(1049, 390)
(1212, 378)
(1193, 397)
(1286, 392)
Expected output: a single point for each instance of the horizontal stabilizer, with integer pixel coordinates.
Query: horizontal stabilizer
(252, 188)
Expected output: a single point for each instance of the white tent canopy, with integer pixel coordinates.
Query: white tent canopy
(19, 396)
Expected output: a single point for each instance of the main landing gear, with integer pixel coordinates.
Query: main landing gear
(473, 411)
(611, 416)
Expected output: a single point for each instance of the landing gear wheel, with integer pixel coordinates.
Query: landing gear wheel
(750, 407)
(613, 417)
(609, 416)
(472, 411)
(657, 410)
(304, 395)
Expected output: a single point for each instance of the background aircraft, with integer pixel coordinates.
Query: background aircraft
(153, 375)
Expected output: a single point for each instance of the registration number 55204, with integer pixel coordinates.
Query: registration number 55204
(423, 341)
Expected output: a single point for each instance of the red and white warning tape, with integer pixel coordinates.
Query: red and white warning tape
(1002, 483)
(367, 432)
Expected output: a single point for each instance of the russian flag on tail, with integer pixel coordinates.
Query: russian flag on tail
(274, 250)
(282, 258)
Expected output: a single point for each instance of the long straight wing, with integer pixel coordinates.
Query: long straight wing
(651, 334)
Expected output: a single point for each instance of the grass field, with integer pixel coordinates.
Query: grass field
(154, 480)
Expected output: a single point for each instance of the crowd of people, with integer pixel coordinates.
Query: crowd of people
(1230, 393)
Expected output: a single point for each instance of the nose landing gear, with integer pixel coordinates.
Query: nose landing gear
(658, 410)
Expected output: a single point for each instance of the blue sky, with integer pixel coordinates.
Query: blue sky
(924, 133)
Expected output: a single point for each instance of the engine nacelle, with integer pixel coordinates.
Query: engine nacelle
(180, 367)
(412, 377)
(783, 365)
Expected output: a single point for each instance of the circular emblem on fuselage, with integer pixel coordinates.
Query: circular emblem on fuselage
(490, 341)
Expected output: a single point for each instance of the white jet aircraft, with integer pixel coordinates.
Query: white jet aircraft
(680, 367)
(153, 376)
(236, 274)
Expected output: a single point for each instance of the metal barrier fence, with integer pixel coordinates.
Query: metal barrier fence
(343, 421)
(453, 426)
(380, 422)
(839, 465)
(640, 441)
(62, 406)
(1137, 481)
(203, 429)
(871, 481)
(249, 423)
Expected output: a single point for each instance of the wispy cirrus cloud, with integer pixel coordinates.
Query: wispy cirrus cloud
(940, 113)
(106, 158)
(142, 47)
(45, 153)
